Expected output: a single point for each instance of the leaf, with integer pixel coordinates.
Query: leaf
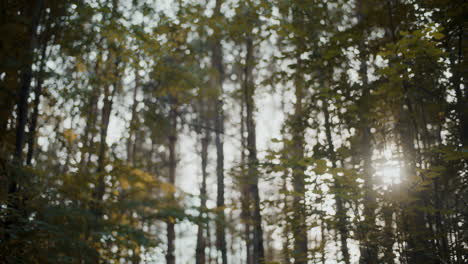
(275, 140)
(70, 136)
(320, 167)
(438, 35)
(80, 67)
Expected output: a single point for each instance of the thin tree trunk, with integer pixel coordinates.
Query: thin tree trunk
(105, 118)
(418, 249)
(419, 246)
(37, 98)
(201, 243)
(258, 251)
(25, 83)
(90, 131)
(388, 232)
(98, 193)
(170, 257)
(88, 139)
(13, 202)
(286, 254)
(340, 208)
(217, 63)
(299, 225)
(132, 137)
(462, 99)
(368, 247)
(245, 196)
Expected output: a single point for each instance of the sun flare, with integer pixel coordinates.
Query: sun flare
(388, 170)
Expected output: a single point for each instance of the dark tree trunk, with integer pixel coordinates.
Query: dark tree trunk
(245, 196)
(37, 98)
(201, 242)
(368, 246)
(217, 63)
(97, 208)
(25, 82)
(299, 225)
(92, 114)
(388, 231)
(221, 218)
(298, 126)
(418, 246)
(33, 15)
(286, 254)
(257, 240)
(105, 118)
(418, 240)
(340, 207)
(459, 72)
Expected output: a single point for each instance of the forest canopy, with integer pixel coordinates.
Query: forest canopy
(225, 131)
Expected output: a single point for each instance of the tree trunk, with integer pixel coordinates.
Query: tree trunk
(132, 137)
(13, 202)
(462, 96)
(170, 257)
(298, 126)
(258, 251)
(419, 246)
(418, 249)
(286, 254)
(217, 63)
(105, 118)
(201, 243)
(368, 247)
(299, 225)
(340, 207)
(388, 232)
(25, 82)
(37, 98)
(245, 196)
(90, 131)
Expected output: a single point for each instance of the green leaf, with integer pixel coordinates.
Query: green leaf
(320, 167)
(438, 35)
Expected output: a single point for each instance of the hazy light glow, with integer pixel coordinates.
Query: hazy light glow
(389, 170)
(389, 173)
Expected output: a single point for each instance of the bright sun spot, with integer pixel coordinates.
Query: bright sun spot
(388, 170)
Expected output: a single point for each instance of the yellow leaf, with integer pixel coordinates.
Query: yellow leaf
(80, 67)
(69, 135)
(124, 183)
